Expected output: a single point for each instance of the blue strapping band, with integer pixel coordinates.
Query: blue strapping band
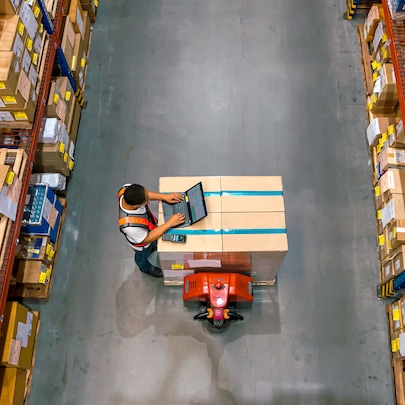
(247, 193)
(253, 231)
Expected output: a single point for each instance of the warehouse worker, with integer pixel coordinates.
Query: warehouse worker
(139, 225)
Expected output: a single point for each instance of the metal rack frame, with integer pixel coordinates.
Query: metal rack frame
(30, 143)
(396, 35)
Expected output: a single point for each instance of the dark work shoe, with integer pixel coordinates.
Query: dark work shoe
(155, 272)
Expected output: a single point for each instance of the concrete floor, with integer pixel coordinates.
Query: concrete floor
(230, 87)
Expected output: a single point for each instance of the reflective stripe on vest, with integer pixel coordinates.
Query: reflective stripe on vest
(146, 221)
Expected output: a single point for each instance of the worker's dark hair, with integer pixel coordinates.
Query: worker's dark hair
(135, 194)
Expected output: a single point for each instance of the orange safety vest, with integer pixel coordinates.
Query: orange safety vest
(146, 221)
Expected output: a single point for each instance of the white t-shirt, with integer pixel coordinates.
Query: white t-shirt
(135, 234)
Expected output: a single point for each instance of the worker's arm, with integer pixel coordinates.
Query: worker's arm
(156, 233)
(169, 198)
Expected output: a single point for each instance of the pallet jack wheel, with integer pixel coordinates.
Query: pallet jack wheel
(213, 328)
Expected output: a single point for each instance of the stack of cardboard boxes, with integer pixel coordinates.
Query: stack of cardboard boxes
(37, 244)
(21, 43)
(245, 230)
(56, 145)
(17, 344)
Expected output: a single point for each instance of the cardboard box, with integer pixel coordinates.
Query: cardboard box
(211, 186)
(91, 7)
(29, 19)
(386, 271)
(252, 194)
(380, 37)
(397, 258)
(9, 7)
(9, 72)
(32, 272)
(17, 336)
(390, 158)
(66, 92)
(246, 220)
(393, 210)
(35, 248)
(382, 244)
(396, 135)
(10, 33)
(377, 127)
(21, 95)
(12, 385)
(75, 122)
(76, 15)
(10, 190)
(56, 107)
(392, 182)
(68, 40)
(375, 15)
(396, 234)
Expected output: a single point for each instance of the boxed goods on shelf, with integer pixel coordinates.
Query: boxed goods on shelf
(12, 386)
(375, 15)
(56, 181)
(33, 272)
(35, 248)
(17, 336)
(385, 96)
(10, 192)
(42, 212)
(9, 7)
(377, 127)
(91, 7)
(396, 136)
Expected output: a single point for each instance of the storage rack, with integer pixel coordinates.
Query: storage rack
(27, 139)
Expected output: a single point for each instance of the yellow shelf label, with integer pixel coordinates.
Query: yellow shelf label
(377, 191)
(65, 157)
(51, 254)
(48, 248)
(61, 147)
(20, 116)
(381, 240)
(56, 98)
(42, 278)
(374, 98)
(68, 95)
(73, 61)
(374, 64)
(375, 76)
(379, 214)
(35, 58)
(36, 11)
(177, 266)
(370, 106)
(391, 129)
(384, 37)
(384, 53)
(10, 177)
(41, 28)
(83, 62)
(48, 274)
(20, 28)
(378, 65)
(384, 137)
(378, 148)
(394, 232)
(71, 164)
(2, 86)
(29, 44)
(96, 3)
(395, 314)
(381, 142)
(9, 100)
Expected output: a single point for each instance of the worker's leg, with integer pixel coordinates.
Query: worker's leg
(141, 259)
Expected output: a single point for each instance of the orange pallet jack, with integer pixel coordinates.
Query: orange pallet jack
(218, 295)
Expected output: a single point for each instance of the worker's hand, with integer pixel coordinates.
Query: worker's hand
(173, 198)
(176, 219)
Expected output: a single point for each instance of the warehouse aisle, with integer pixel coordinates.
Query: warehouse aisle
(180, 87)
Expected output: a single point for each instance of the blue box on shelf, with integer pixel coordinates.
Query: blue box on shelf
(42, 212)
(399, 5)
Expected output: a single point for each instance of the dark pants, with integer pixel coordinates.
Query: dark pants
(141, 258)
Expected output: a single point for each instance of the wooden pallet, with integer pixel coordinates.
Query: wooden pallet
(42, 292)
(17, 158)
(366, 60)
(28, 379)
